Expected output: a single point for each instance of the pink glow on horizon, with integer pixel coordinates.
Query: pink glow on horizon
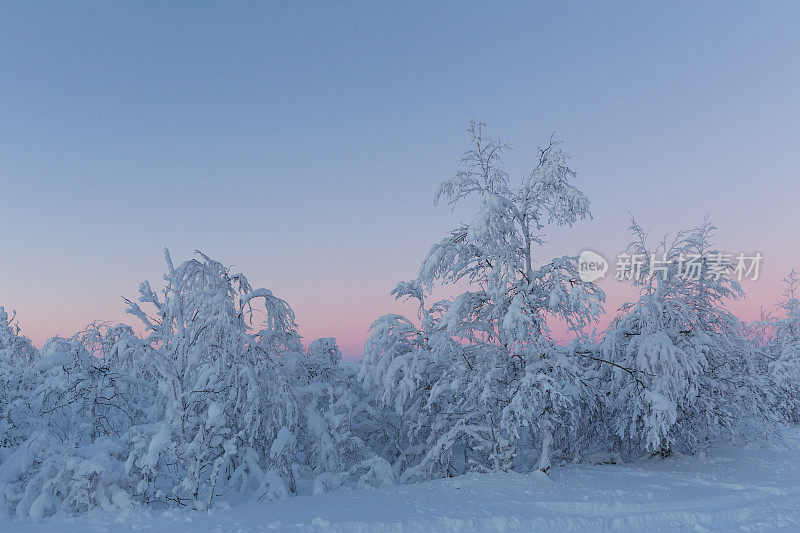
(350, 323)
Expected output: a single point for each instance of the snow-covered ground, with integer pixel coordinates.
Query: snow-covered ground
(754, 487)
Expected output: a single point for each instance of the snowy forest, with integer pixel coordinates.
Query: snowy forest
(210, 392)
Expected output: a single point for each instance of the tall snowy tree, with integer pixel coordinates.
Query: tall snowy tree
(483, 366)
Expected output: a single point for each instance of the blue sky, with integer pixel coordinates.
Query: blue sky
(303, 142)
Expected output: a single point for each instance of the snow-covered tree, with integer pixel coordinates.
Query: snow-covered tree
(17, 353)
(239, 409)
(784, 350)
(222, 397)
(15, 348)
(683, 370)
(482, 367)
(334, 422)
(73, 414)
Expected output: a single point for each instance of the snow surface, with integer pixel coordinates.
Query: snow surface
(754, 487)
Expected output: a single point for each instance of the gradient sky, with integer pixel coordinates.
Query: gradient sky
(302, 143)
